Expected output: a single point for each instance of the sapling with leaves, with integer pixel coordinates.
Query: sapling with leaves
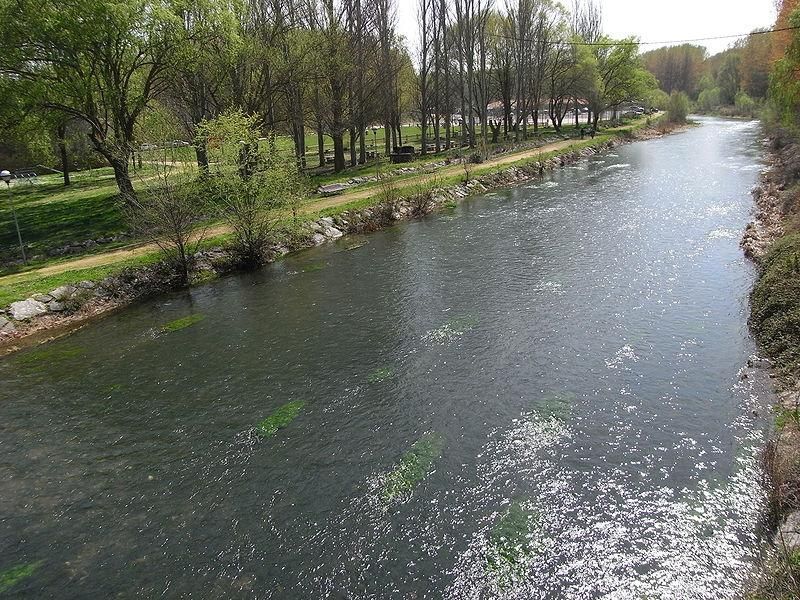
(170, 213)
(255, 187)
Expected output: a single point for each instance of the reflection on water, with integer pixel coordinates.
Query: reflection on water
(536, 395)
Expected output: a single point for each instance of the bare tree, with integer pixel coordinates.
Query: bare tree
(425, 15)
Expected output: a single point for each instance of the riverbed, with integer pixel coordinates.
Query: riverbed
(540, 393)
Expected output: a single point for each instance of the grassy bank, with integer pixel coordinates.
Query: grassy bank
(775, 321)
(22, 285)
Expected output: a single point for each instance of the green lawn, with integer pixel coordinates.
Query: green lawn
(51, 215)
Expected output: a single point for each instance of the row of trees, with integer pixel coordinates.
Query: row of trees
(530, 57)
(741, 71)
(99, 68)
(785, 83)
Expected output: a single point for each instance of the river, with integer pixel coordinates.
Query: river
(540, 393)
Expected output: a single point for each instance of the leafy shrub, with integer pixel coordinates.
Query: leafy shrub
(708, 100)
(775, 300)
(678, 107)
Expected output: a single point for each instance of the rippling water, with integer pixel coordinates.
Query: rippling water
(570, 355)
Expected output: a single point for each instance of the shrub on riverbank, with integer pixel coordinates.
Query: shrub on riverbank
(776, 305)
(678, 108)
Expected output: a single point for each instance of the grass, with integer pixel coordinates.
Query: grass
(413, 467)
(775, 305)
(50, 354)
(25, 287)
(280, 418)
(314, 267)
(51, 215)
(11, 577)
(182, 323)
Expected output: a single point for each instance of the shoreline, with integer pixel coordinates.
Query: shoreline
(79, 305)
(766, 241)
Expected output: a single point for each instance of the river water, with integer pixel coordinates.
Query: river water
(565, 363)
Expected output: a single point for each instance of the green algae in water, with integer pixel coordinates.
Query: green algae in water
(49, 354)
(379, 375)
(182, 323)
(414, 466)
(13, 576)
(353, 243)
(512, 543)
(280, 418)
(462, 324)
(314, 267)
(556, 404)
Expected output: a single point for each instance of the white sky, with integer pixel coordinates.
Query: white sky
(655, 20)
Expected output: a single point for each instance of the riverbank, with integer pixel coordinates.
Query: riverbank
(66, 307)
(772, 240)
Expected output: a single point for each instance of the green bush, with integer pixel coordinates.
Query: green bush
(775, 301)
(678, 107)
(745, 105)
(708, 100)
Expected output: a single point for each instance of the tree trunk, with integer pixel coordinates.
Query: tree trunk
(353, 151)
(338, 152)
(62, 149)
(201, 152)
(122, 177)
(321, 145)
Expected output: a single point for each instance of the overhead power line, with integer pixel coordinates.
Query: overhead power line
(663, 43)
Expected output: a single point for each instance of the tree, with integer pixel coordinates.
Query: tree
(709, 100)
(620, 77)
(202, 70)
(99, 62)
(169, 213)
(784, 87)
(677, 67)
(756, 64)
(678, 107)
(728, 77)
(254, 185)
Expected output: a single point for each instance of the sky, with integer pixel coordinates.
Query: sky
(655, 21)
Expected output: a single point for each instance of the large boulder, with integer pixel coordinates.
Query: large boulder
(333, 233)
(63, 293)
(318, 239)
(27, 309)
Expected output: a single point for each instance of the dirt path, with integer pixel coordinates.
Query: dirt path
(127, 253)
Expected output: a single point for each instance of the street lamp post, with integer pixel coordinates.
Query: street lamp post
(6, 176)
